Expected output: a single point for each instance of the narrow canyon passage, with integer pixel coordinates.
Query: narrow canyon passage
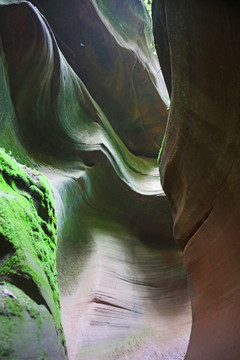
(119, 180)
(87, 109)
(123, 294)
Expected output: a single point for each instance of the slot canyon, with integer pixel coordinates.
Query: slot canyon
(119, 180)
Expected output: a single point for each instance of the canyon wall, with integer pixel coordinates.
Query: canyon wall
(198, 43)
(83, 101)
(30, 318)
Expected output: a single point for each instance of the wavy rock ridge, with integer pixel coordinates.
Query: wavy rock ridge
(82, 103)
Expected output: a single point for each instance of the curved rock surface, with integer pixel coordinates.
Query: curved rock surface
(122, 284)
(200, 163)
(107, 45)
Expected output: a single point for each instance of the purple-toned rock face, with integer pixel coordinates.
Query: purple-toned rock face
(82, 99)
(200, 162)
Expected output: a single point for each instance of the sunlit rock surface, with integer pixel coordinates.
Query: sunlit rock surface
(121, 279)
(200, 163)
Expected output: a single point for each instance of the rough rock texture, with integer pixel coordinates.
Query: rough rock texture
(122, 285)
(200, 163)
(29, 298)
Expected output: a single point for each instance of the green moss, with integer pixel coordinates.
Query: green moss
(12, 307)
(160, 151)
(148, 4)
(44, 356)
(33, 312)
(6, 348)
(28, 226)
(25, 327)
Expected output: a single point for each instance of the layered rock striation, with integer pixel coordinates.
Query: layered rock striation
(85, 104)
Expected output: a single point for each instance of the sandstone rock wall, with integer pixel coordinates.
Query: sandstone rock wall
(91, 118)
(200, 162)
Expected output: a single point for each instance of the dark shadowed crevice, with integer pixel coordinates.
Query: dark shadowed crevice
(29, 287)
(196, 228)
(161, 41)
(6, 249)
(97, 300)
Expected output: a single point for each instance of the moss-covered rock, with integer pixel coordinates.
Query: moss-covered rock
(28, 261)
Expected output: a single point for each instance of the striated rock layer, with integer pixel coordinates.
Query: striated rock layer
(200, 163)
(94, 131)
